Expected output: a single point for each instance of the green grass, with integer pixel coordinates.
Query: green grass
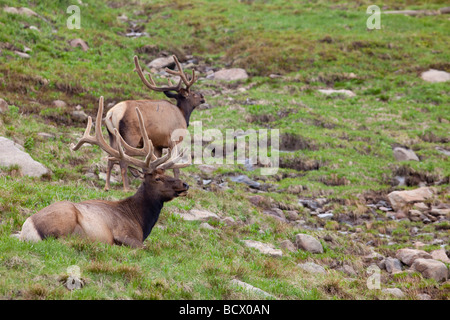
(343, 150)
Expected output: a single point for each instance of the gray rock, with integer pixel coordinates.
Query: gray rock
(347, 93)
(264, 248)
(327, 215)
(12, 154)
(46, 136)
(161, 62)
(433, 75)
(230, 74)
(308, 243)
(288, 245)
(250, 288)
(59, 104)
(312, 267)
(408, 256)
(424, 296)
(394, 291)
(206, 225)
(198, 215)
(441, 255)
(431, 268)
(246, 180)
(403, 154)
(22, 54)
(79, 115)
(392, 265)
(400, 199)
(229, 221)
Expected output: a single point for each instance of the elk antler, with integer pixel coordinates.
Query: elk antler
(124, 152)
(181, 73)
(152, 84)
(183, 77)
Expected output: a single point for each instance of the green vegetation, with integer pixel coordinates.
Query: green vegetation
(334, 146)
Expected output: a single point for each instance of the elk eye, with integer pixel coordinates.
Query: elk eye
(158, 179)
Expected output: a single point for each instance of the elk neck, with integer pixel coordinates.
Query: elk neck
(186, 109)
(144, 208)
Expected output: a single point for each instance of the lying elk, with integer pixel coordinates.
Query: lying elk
(127, 222)
(161, 117)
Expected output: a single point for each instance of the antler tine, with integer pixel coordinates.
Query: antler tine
(152, 84)
(174, 158)
(181, 73)
(98, 138)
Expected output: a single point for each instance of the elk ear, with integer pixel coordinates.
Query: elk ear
(184, 92)
(170, 94)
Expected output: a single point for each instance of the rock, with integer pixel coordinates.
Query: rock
(433, 75)
(11, 10)
(207, 226)
(416, 215)
(123, 17)
(400, 199)
(292, 215)
(207, 170)
(422, 207)
(22, 54)
(394, 291)
(246, 180)
(440, 211)
(3, 106)
(403, 154)
(288, 245)
(392, 265)
(250, 288)
(229, 221)
(79, 115)
(102, 176)
(230, 74)
(440, 254)
(79, 43)
(424, 296)
(408, 256)
(255, 200)
(431, 268)
(312, 267)
(199, 215)
(28, 12)
(328, 92)
(11, 154)
(327, 215)
(264, 248)
(59, 104)
(46, 136)
(348, 269)
(162, 62)
(308, 243)
(295, 189)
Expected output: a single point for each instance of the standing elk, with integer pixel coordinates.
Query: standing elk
(126, 222)
(161, 117)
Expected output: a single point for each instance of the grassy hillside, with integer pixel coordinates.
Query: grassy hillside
(333, 147)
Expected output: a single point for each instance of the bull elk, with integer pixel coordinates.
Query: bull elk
(126, 222)
(161, 117)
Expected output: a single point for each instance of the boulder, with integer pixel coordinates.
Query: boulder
(308, 243)
(162, 62)
(433, 75)
(403, 154)
(264, 248)
(394, 291)
(12, 154)
(230, 74)
(440, 254)
(312, 267)
(392, 265)
(431, 268)
(59, 104)
(399, 199)
(246, 180)
(199, 215)
(408, 256)
(287, 245)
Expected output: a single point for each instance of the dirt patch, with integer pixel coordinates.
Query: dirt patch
(334, 180)
(432, 138)
(292, 142)
(300, 164)
(412, 177)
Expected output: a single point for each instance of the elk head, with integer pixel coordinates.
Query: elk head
(186, 100)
